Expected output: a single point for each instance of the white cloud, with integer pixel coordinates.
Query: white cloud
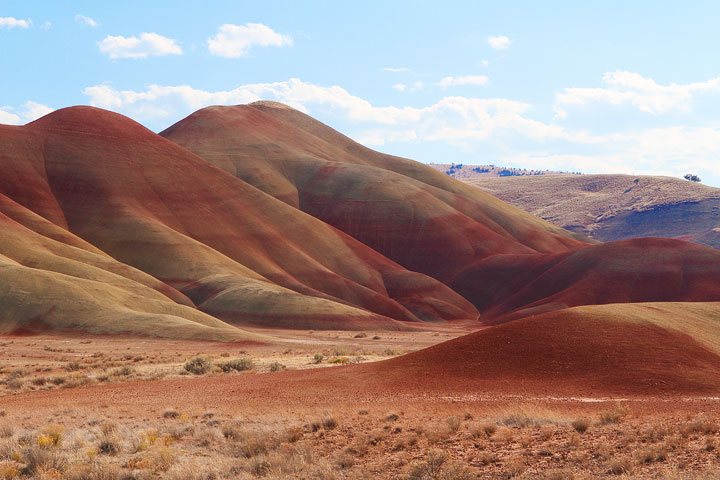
(396, 70)
(484, 63)
(500, 42)
(46, 26)
(627, 88)
(28, 112)
(11, 22)
(86, 20)
(33, 111)
(477, 80)
(450, 119)
(7, 117)
(235, 41)
(483, 130)
(400, 87)
(148, 44)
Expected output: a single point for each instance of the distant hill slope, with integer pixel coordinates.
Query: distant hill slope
(463, 172)
(616, 207)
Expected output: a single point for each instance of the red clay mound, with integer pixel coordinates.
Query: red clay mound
(403, 209)
(568, 352)
(628, 271)
(232, 250)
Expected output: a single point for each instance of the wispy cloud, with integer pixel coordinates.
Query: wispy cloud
(86, 20)
(396, 69)
(146, 45)
(628, 88)
(476, 80)
(500, 42)
(235, 41)
(400, 87)
(12, 22)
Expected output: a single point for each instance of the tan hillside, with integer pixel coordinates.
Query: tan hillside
(615, 207)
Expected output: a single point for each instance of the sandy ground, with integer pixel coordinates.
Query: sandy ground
(256, 424)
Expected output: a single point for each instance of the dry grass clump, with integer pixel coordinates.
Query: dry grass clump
(50, 436)
(73, 366)
(38, 459)
(208, 436)
(237, 364)
(436, 433)
(614, 415)
(171, 413)
(6, 430)
(327, 421)
(503, 434)
(482, 430)
(276, 367)
(232, 431)
(530, 416)
(651, 455)
(124, 371)
(516, 466)
(253, 443)
(15, 383)
(318, 358)
(108, 438)
(619, 466)
(158, 458)
(344, 460)
(76, 379)
(404, 442)
(547, 432)
(453, 423)
(581, 425)
(199, 365)
(559, 474)
(699, 424)
(437, 467)
(339, 361)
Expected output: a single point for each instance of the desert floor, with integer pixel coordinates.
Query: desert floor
(109, 407)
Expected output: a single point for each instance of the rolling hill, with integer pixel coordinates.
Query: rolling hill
(260, 215)
(616, 207)
(100, 185)
(504, 261)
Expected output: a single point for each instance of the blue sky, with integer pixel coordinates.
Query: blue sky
(597, 87)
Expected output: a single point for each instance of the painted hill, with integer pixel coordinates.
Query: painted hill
(628, 271)
(168, 224)
(615, 207)
(507, 263)
(649, 348)
(405, 210)
(260, 215)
